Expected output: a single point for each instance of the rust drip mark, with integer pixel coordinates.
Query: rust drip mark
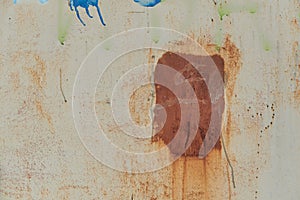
(184, 173)
(228, 161)
(295, 98)
(228, 180)
(169, 101)
(45, 115)
(60, 85)
(38, 78)
(39, 74)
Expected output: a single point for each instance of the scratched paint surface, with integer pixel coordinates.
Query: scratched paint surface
(41, 155)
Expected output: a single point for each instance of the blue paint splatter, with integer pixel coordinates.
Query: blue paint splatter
(43, 1)
(148, 3)
(85, 4)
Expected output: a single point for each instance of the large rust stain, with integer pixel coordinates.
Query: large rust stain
(169, 101)
(194, 178)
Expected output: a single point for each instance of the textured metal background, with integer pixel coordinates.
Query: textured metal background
(42, 157)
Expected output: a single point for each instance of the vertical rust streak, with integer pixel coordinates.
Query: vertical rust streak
(229, 183)
(205, 178)
(228, 161)
(60, 85)
(184, 174)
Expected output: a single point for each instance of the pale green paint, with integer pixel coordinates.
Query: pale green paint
(107, 45)
(155, 21)
(64, 22)
(219, 39)
(267, 46)
(225, 9)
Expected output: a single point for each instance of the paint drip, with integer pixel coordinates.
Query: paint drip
(74, 4)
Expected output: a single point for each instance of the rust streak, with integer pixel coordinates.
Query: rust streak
(60, 85)
(45, 115)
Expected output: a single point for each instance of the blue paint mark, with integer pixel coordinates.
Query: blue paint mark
(147, 3)
(85, 4)
(43, 1)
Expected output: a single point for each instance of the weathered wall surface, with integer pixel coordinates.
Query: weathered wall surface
(41, 155)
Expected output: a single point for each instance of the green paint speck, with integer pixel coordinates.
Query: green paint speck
(267, 45)
(223, 10)
(252, 10)
(155, 40)
(107, 46)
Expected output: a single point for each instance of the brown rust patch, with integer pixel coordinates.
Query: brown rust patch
(193, 178)
(169, 101)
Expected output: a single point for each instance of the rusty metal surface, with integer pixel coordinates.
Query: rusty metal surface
(42, 156)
